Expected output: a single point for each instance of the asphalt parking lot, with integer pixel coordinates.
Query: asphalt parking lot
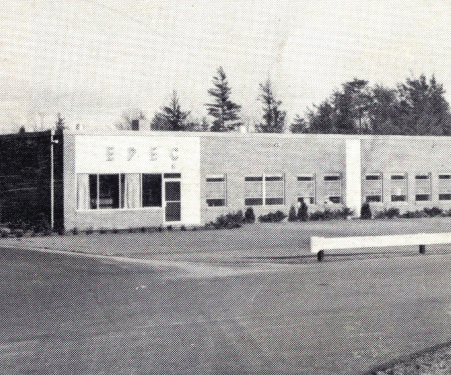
(72, 314)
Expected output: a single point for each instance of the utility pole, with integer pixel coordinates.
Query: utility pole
(52, 180)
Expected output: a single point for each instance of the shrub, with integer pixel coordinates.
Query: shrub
(303, 212)
(228, 221)
(272, 217)
(413, 214)
(292, 214)
(169, 227)
(183, 228)
(143, 229)
(102, 230)
(18, 233)
(365, 212)
(75, 231)
(389, 213)
(328, 214)
(115, 230)
(89, 231)
(434, 211)
(249, 216)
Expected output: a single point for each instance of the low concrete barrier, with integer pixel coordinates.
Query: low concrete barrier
(319, 244)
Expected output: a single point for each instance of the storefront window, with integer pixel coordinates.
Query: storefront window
(152, 195)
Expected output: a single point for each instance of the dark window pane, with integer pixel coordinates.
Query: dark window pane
(273, 201)
(172, 191)
(305, 178)
(151, 190)
(93, 191)
(172, 175)
(398, 198)
(331, 178)
(254, 178)
(335, 199)
(215, 179)
(398, 177)
(373, 177)
(373, 198)
(273, 178)
(422, 177)
(422, 197)
(215, 202)
(109, 191)
(444, 197)
(173, 211)
(444, 176)
(253, 201)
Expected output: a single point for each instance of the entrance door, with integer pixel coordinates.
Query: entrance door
(173, 201)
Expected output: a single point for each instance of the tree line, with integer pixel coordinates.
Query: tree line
(414, 107)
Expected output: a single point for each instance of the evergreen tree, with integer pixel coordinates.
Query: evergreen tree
(273, 116)
(171, 117)
(299, 125)
(224, 111)
(59, 124)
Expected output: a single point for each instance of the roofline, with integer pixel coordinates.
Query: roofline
(149, 133)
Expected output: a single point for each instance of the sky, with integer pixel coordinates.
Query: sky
(93, 60)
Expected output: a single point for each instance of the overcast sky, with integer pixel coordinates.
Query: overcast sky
(92, 61)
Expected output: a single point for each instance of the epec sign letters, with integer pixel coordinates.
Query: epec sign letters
(153, 153)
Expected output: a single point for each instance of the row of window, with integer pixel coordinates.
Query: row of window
(137, 190)
(373, 187)
(270, 189)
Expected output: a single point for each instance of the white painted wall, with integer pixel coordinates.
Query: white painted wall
(353, 198)
(145, 154)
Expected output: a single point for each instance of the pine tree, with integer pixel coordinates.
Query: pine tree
(299, 125)
(224, 111)
(273, 116)
(171, 117)
(59, 124)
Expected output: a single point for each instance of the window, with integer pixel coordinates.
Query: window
(113, 191)
(332, 187)
(108, 195)
(274, 189)
(444, 187)
(151, 190)
(216, 190)
(305, 188)
(267, 189)
(372, 187)
(398, 187)
(423, 187)
(253, 191)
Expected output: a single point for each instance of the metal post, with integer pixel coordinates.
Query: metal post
(52, 183)
(422, 249)
(320, 255)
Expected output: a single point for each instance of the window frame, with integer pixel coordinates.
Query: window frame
(311, 177)
(419, 176)
(264, 178)
(220, 177)
(405, 177)
(380, 178)
(332, 177)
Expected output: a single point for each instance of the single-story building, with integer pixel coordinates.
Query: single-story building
(124, 179)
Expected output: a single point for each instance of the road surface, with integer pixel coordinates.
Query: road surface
(69, 314)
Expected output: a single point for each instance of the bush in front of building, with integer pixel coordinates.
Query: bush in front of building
(303, 212)
(249, 216)
(229, 221)
(365, 212)
(292, 214)
(432, 212)
(417, 214)
(388, 213)
(272, 217)
(329, 214)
